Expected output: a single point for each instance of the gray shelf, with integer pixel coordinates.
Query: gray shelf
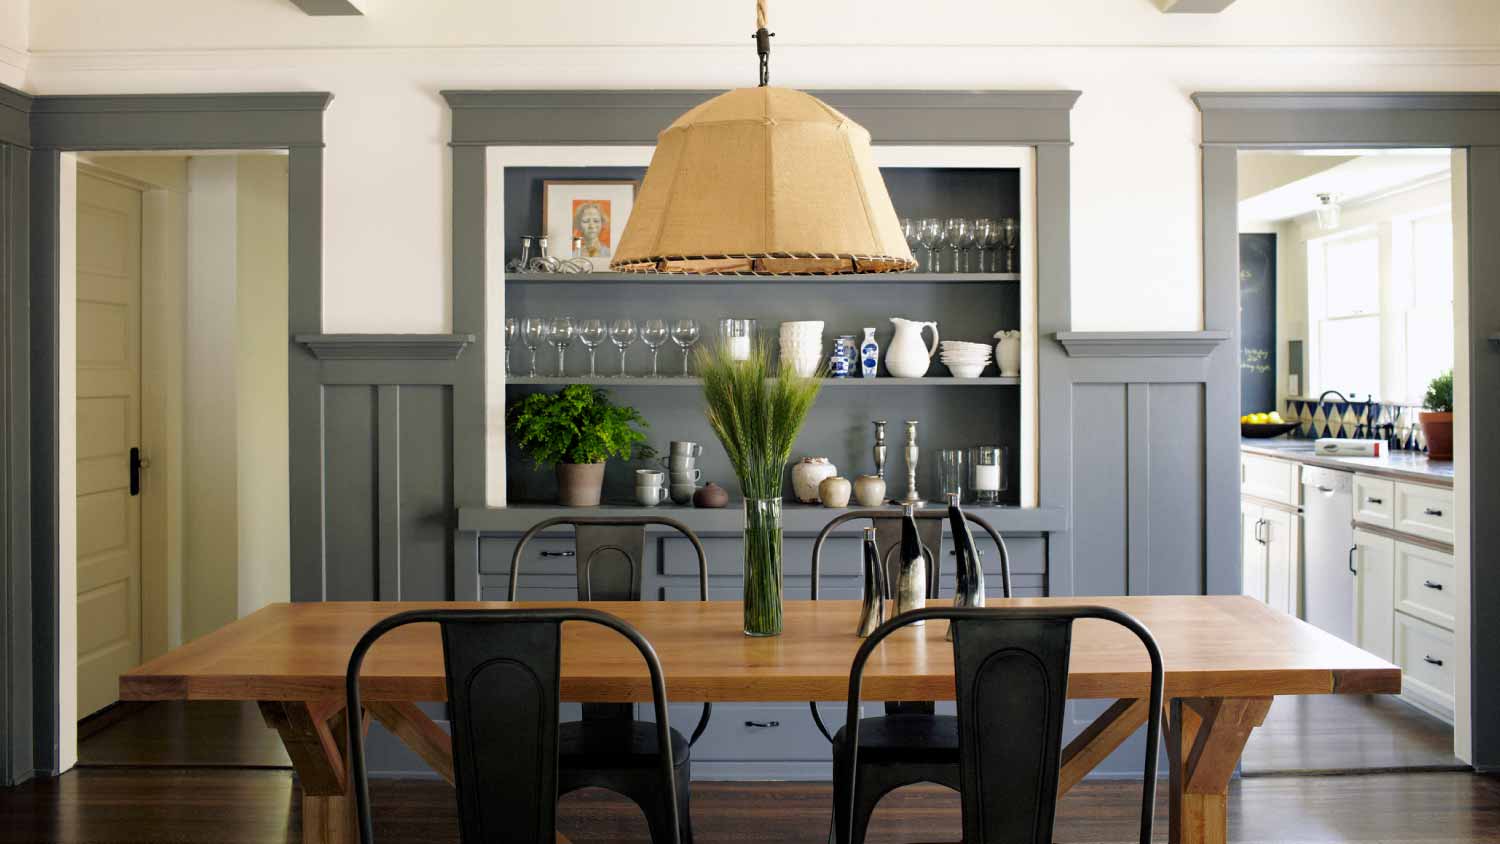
(685, 278)
(834, 383)
(796, 518)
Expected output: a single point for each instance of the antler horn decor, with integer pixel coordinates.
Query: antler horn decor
(763, 181)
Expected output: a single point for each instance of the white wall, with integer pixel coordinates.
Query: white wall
(1136, 178)
(15, 41)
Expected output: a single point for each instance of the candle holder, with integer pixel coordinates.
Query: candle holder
(912, 499)
(738, 335)
(880, 448)
(987, 472)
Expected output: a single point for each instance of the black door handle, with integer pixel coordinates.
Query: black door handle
(1433, 512)
(1375, 500)
(135, 471)
(762, 723)
(1431, 661)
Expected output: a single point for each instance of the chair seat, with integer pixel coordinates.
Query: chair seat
(905, 738)
(614, 744)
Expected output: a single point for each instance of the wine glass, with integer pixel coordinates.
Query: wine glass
(622, 334)
(512, 327)
(685, 334)
(986, 235)
(533, 334)
(654, 334)
(959, 233)
(930, 235)
(591, 332)
(911, 230)
(1010, 231)
(560, 335)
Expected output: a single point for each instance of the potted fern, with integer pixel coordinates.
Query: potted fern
(1437, 417)
(756, 410)
(575, 430)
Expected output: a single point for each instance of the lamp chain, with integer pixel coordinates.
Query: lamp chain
(763, 42)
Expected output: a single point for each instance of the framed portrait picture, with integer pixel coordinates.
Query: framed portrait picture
(593, 210)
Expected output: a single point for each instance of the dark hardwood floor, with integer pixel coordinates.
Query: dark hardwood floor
(1347, 733)
(219, 806)
(181, 734)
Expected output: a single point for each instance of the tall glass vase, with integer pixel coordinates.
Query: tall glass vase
(763, 567)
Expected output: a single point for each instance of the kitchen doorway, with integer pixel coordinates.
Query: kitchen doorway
(1353, 276)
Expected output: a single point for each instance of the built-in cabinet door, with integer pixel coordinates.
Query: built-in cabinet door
(1253, 551)
(1280, 534)
(1374, 593)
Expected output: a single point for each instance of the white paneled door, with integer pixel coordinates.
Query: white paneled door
(109, 422)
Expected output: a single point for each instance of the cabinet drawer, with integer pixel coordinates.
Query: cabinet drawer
(1424, 584)
(1425, 511)
(1374, 501)
(549, 555)
(1425, 654)
(758, 732)
(1265, 477)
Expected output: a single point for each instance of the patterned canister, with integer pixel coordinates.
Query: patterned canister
(845, 352)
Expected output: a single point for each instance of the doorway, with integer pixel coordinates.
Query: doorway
(181, 421)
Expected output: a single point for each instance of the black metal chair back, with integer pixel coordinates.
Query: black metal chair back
(610, 553)
(887, 525)
(1011, 675)
(504, 669)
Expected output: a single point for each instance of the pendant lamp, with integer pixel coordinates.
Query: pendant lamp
(763, 181)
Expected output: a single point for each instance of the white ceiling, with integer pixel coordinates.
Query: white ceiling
(1367, 174)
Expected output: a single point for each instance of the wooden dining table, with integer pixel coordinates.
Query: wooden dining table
(1226, 659)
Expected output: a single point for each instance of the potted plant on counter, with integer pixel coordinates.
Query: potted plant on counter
(1437, 417)
(756, 409)
(576, 430)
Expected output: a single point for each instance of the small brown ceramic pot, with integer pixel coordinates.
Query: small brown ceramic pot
(579, 484)
(710, 496)
(1438, 429)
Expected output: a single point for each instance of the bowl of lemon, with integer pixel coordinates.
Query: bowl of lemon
(1264, 425)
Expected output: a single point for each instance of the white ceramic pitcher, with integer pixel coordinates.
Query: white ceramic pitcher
(907, 356)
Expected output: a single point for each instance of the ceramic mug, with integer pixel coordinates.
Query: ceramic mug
(679, 463)
(683, 493)
(686, 476)
(650, 477)
(650, 496)
(682, 448)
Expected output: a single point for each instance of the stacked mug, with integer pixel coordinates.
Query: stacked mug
(649, 488)
(682, 464)
(802, 345)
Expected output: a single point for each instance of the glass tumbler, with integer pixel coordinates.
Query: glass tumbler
(951, 473)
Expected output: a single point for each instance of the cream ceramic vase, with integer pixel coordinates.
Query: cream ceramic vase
(834, 492)
(869, 490)
(908, 355)
(808, 474)
(1008, 353)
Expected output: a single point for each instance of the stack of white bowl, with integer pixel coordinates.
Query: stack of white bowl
(965, 359)
(802, 345)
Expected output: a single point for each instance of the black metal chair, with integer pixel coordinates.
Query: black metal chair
(1011, 675)
(910, 743)
(608, 748)
(504, 670)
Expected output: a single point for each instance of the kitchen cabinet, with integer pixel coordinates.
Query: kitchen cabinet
(1425, 653)
(1374, 563)
(1374, 501)
(1270, 479)
(1271, 555)
(1425, 511)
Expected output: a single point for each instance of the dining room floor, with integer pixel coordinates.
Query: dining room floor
(1319, 734)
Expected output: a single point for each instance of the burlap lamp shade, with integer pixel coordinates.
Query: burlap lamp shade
(763, 181)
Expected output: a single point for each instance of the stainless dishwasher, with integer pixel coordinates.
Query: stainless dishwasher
(1328, 531)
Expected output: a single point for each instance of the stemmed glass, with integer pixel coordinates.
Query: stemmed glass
(622, 334)
(533, 334)
(960, 236)
(912, 231)
(560, 335)
(685, 334)
(930, 235)
(591, 332)
(1009, 233)
(654, 334)
(512, 327)
(986, 235)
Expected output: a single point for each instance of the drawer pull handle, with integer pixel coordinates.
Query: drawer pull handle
(1433, 512)
(1352, 549)
(559, 553)
(1433, 584)
(762, 723)
(1432, 661)
(1375, 500)
(1324, 489)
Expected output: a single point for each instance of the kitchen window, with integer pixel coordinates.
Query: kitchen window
(1344, 309)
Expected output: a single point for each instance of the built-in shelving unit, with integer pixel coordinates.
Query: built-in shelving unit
(828, 383)
(796, 518)
(721, 280)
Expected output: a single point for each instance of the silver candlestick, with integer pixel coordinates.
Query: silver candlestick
(912, 499)
(880, 449)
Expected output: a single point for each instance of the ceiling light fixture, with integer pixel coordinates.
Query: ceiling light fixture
(1328, 211)
(763, 181)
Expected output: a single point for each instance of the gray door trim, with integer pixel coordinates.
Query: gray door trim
(1140, 344)
(1258, 120)
(158, 122)
(385, 346)
(1039, 119)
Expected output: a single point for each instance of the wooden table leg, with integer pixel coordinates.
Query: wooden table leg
(315, 735)
(1098, 740)
(1205, 737)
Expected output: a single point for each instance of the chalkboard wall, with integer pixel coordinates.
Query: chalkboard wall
(1257, 323)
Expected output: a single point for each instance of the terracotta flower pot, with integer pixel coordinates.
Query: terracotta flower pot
(1438, 429)
(579, 484)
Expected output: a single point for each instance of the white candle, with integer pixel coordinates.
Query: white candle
(987, 478)
(739, 347)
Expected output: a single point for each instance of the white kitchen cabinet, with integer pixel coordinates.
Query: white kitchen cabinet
(1271, 479)
(1425, 584)
(1374, 561)
(1425, 511)
(1271, 555)
(1425, 653)
(1374, 500)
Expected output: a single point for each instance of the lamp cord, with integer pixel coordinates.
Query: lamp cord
(763, 42)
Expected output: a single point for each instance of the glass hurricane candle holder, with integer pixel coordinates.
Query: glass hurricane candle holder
(987, 472)
(738, 336)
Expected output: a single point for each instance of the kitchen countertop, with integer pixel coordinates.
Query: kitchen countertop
(1402, 465)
